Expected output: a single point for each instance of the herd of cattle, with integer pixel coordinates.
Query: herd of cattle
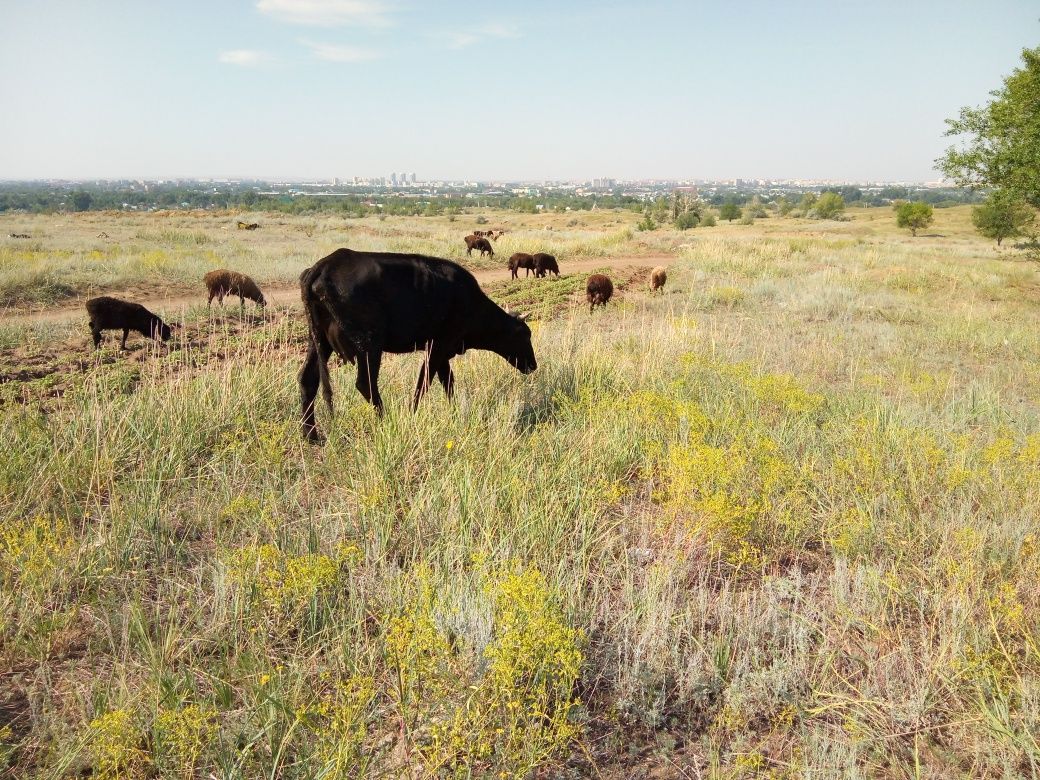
(362, 304)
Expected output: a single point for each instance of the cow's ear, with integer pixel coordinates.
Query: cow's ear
(523, 317)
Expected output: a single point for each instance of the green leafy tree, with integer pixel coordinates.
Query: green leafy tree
(914, 214)
(81, 200)
(730, 211)
(708, 220)
(807, 202)
(1003, 215)
(784, 206)
(831, 205)
(1003, 137)
(688, 220)
(647, 223)
(756, 209)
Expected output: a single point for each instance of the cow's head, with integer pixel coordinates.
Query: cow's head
(160, 330)
(515, 345)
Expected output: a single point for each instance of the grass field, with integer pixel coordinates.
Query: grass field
(779, 521)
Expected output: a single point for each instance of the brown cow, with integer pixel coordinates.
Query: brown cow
(657, 278)
(478, 242)
(521, 260)
(223, 282)
(598, 291)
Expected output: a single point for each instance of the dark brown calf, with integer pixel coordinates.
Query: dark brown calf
(114, 314)
(521, 260)
(598, 291)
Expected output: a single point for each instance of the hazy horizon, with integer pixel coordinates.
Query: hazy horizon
(316, 89)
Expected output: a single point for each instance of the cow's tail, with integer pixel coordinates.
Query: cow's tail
(311, 299)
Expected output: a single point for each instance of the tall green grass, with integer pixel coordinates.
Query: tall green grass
(656, 536)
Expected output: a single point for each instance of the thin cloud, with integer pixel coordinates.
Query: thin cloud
(327, 13)
(333, 53)
(460, 39)
(244, 58)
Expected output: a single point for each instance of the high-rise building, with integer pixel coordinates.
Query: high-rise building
(413, 178)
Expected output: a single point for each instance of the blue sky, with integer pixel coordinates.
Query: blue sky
(485, 90)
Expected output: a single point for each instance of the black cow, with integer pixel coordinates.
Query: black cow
(545, 264)
(114, 314)
(362, 304)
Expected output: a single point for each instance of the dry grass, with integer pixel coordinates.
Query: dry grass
(779, 520)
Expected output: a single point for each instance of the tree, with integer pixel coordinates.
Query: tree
(807, 202)
(730, 211)
(829, 206)
(913, 214)
(783, 206)
(684, 203)
(647, 223)
(756, 209)
(1003, 146)
(81, 200)
(688, 220)
(1003, 215)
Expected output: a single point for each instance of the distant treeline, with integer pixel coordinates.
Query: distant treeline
(854, 196)
(47, 198)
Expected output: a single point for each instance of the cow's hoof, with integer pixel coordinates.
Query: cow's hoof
(313, 436)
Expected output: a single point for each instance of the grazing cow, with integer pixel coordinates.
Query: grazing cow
(362, 304)
(19, 235)
(598, 291)
(247, 225)
(657, 278)
(521, 260)
(114, 314)
(102, 234)
(545, 264)
(223, 282)
(478, 242)
(484, 233)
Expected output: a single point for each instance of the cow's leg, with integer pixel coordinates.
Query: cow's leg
(210, 301)
(368, 378)
(96, 333)
(310, 378)
(447, 377)
(126, 332)
(422, 384)
(436, 363)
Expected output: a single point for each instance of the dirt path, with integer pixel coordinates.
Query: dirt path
(290, 294)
